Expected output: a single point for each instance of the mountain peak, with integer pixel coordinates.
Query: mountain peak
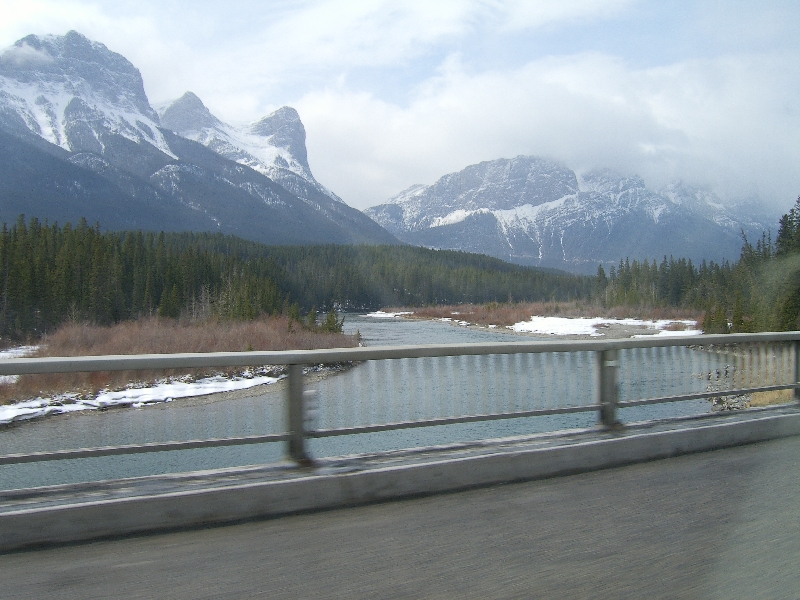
(51, 47)
(606, 180)
(286, 130)
(188, 114)
(537, 212)
(78, 138)
(79, 67)
(274, 145)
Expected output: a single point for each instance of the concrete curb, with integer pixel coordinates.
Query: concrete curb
(91, 520)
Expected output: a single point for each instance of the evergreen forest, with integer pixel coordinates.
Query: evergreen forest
(758, 292)
(52, 274)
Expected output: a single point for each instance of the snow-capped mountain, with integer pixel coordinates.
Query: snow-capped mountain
(74, 93)
(274, 145)
(535, 211)
(78, 138)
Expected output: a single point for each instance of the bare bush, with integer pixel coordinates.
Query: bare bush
(159, 336)
(772, 397)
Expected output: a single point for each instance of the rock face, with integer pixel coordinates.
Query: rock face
(188, 114)
(94, 147)
(274, 145)
(538, 212)
(74, 93)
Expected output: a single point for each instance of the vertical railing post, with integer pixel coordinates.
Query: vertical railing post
(796, 370)
(608, 387)
(297, 441)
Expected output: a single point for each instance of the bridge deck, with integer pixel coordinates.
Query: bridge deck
(65, 496)
(720, 524)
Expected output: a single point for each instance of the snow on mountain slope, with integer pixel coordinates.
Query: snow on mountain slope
(274, 145)
(80, 139)
(534, 211)
(493, 185)
(74, 93)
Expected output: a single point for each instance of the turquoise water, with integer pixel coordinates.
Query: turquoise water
(373, 392)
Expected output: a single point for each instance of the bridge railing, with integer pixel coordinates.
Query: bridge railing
(402, 387)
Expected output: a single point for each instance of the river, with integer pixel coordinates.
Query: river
(387, 393)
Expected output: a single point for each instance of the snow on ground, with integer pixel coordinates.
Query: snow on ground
(455, 321)
(573, 326)
(164, 391)
(18, 352)
(669, 333)
(589, 326)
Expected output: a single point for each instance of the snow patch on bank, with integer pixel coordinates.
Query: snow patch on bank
(387, 315)
(589, 326)
(164, 391)
(18, 352)
(670, 333)
(455, 321)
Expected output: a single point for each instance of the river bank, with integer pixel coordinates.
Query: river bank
(372, 392)
(34, 396)
(557, 320)
(136, 390)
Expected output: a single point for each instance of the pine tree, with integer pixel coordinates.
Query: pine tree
(788, 239)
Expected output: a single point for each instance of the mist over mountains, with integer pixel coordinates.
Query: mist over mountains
(79, 138)
(538, 212)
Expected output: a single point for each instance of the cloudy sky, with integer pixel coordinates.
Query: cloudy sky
(399, 92)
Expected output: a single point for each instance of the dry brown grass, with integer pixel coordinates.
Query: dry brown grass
(507, 314)
(772, 397)
(159, 336)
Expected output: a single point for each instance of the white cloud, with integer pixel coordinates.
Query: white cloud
(525, 14)
(729, 123)
(23, 17)
(341, 32)
(715, 101)
(25, 54)
(347, 34)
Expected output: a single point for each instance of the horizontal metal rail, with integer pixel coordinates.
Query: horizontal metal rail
(25, 366)
(321, 433)
(11, 459)
(299, 430)
(702, 395)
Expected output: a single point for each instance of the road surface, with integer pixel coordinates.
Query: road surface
(722, 524)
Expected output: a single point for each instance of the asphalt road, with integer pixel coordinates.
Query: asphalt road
(723, 524)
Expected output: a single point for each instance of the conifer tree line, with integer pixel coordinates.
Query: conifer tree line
(759, 292)
(51, 274)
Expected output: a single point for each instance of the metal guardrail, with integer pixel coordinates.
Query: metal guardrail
(562, 377)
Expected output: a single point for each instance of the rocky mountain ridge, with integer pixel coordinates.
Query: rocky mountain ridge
(72, 91)
(274, 145)
(536, 211)
(95, 148)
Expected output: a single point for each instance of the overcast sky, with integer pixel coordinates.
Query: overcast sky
(394, 93)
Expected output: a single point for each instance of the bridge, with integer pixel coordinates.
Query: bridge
(715, 525)
(416, 390)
